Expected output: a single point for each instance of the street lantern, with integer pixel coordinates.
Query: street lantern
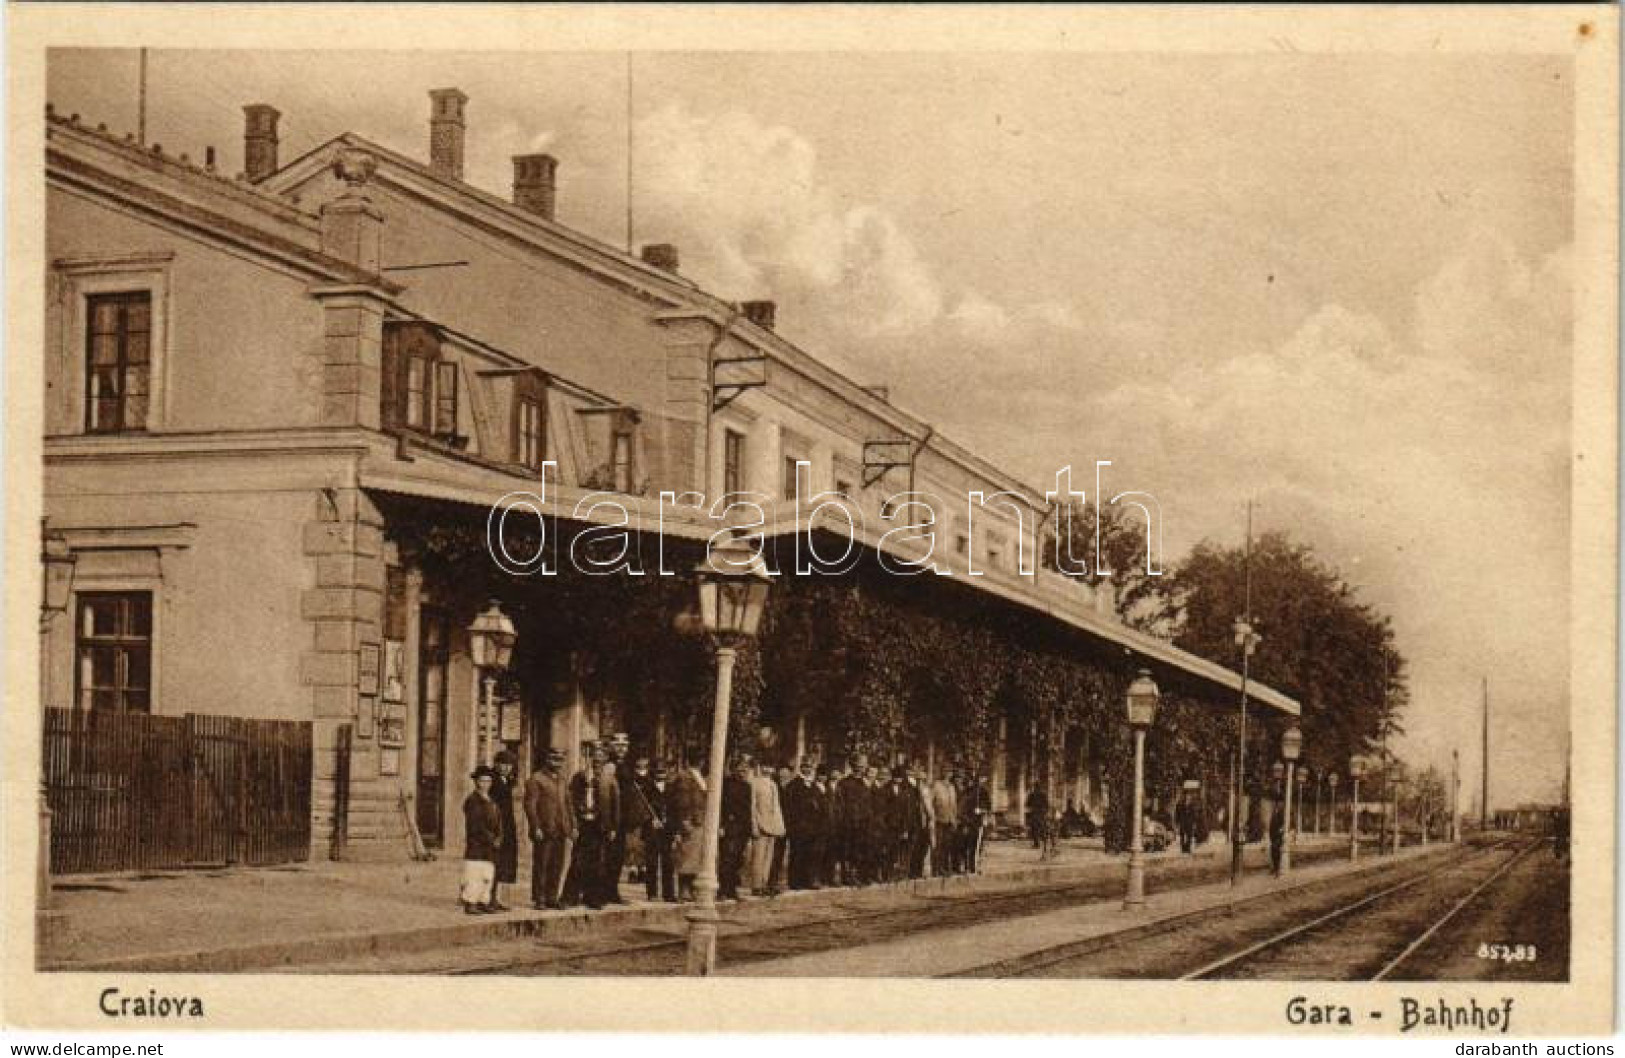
(1291, 749)
(491, 638)
(733, 585)
(490, 646)
(733, 591)
(1143, 698)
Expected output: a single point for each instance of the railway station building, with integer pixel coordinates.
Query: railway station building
(280, 407)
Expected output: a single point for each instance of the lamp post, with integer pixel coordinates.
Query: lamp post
(1291, 747)
(1356, 770)
(1331, 808)
(1297, 818)
(733, 584)
(1143, 698)
(490, 645)
(58, 561)
(1248, 641)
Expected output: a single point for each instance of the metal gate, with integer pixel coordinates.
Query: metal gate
(129, 791)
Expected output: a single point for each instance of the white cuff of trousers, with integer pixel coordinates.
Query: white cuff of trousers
(478, 877)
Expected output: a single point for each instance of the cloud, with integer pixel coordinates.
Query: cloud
(754, 218)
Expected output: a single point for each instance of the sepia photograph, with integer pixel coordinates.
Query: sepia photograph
(859, 499)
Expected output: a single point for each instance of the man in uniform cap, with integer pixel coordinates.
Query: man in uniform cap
(595, 800)
(734, 836)
(547, 813)
(619, 771)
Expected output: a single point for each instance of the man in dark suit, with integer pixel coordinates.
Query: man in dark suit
(648, 810)
(547, 813)
(855, 812)
(900, 818)
(595, 800)
(829, 869)
(619, 768)
(804, 821)
(734, 838)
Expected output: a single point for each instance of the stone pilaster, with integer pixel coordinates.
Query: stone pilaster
(344, 546)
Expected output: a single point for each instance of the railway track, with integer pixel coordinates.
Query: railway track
(832, 927)
(1338, 923)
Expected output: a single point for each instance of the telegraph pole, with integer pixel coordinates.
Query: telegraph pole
(1484, 793)
(141, 103)
(1455, 796)
(1246, 640)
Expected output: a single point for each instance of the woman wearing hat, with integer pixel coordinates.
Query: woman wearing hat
(507, 862)
(482, 825)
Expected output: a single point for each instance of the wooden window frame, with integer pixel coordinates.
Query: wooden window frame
(123, 643)
(733, 461)
(431, 408)
(122, 364)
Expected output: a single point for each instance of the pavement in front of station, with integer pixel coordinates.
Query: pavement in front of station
(279, 917)
(964, 950)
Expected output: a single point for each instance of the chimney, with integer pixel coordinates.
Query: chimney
(662, 255)
(533, 183)
(761, 313)
(259, 140)
(446, 131)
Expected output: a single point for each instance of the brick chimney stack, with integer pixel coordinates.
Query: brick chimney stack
(761, 313)
(259, 140)
(446, 131)
(662, 255)
(534, 186)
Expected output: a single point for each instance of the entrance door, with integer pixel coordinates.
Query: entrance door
(432, 726)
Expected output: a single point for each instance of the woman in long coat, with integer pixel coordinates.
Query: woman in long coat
(507, 861)
(689, 805)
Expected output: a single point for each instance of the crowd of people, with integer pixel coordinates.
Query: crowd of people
(804, 827)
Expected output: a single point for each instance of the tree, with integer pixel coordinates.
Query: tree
(1068, 547)
(1321, 644)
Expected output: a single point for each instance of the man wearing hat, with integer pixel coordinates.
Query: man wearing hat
(595, 802)
(547, 813)
(502, 789)
(735, 834)
(648, 791)
(619, 771)
(805, 814)
(482, 828)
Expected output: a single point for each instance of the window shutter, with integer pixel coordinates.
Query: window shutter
(390, 407)
(445, 398)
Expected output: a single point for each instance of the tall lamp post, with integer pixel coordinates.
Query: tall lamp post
(1331, 808)
(1248, 641)
(1291, 747)
(1143, 698)
(1356, 770)
(733, 584)
(1303, 777)
(490, 644)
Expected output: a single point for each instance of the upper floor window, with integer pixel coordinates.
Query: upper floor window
(733, 462)
(788, 485)
(529, 419)
(113, 647)
(620, 459)
(419, 387)
(118, 359)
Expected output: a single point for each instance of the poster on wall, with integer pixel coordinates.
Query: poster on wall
(367, 669)
(512, 722)
(394, 680)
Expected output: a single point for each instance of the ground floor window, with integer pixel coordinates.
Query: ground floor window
(114, 651)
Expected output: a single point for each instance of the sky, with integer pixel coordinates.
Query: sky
(1335, 284)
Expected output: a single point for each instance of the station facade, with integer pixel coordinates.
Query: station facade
(281, 406)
